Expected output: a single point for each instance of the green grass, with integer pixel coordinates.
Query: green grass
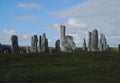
(76, 67)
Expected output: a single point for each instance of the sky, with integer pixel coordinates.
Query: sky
(26, 18)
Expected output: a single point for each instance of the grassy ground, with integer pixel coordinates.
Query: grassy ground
(76, 67)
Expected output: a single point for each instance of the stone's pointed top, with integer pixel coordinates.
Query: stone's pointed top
(44, 35)
(95, 30)
(62, 26)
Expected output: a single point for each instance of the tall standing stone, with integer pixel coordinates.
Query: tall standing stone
(14, 40)
(94, 40)
(66, 42)
(62, 37)
(84, 45)
(104, 43)
(89, 41)
(39, 47)
(35, 43)
(44, 43)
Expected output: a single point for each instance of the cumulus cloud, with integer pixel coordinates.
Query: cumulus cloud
(24, 38)
(75, 23)
(26, 18)
(103, 15)
(9, 32)
(28, 6)
(90, 8)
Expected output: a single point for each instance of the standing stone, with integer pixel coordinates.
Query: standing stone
(57, 46)
(44, 43)
(84, 45)
(69, 44)
(89, 41)
(62, 37)
(35, 43)
(104, 43)
(94, 41)
(39, 47)
(66, 42)
(14, 40)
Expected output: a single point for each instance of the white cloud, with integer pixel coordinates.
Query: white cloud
(75, 23)
(103, 15)
(91, 8)
(26, 18)
(24, 38)
(9, 32)
(29, 6)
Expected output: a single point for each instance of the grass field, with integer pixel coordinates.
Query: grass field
(76, 67)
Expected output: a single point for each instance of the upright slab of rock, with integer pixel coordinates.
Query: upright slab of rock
(62, 37)
(14, 41)
(66, 42)
(43, 43)
(57, 46)
(96, 44)
(34, 41)
(84, 45)
(94, 40)
(89, 41)
(39, 46)
(102, 43)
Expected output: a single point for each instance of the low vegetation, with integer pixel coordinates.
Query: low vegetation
(75, 67)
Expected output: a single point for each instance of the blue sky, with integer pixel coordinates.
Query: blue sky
(26, 18)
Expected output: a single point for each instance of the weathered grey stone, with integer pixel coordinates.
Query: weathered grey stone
(44, 43)
(102, 43)
(69, 44)
(62, 37)
(94, 40)
(66, 42)
(84, 45)
(14, 46)
(34, 41)
(39, 46)
(89, 41)
(57, 46)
